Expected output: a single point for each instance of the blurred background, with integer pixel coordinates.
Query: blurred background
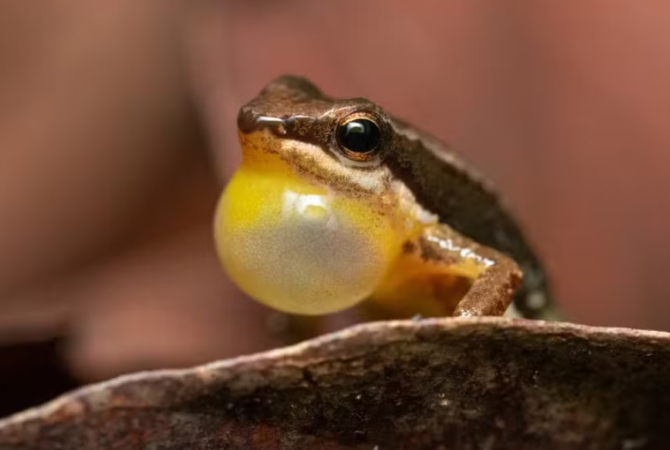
(117, 134)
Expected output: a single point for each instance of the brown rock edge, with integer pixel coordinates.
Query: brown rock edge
(428, 384)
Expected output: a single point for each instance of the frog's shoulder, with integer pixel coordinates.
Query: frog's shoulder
(445, 184)
(443, 181)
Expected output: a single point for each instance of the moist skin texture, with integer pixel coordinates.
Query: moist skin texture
(309, 228)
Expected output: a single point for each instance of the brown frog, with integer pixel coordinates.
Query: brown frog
(337, 202)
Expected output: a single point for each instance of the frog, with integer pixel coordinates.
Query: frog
(337, 204)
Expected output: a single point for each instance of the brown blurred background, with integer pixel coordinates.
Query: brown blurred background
(117, 133)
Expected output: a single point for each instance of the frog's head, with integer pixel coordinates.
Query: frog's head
(313, 219)
(336, 143)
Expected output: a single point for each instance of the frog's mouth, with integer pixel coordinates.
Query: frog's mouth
(296, 245)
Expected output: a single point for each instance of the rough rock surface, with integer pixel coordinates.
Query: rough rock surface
(431, 384)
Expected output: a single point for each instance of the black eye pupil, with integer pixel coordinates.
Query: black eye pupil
(359, 135)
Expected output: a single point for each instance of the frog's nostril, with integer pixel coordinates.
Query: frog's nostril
(271, 122)
(249, 121)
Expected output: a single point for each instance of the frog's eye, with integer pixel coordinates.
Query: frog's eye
(358, 137)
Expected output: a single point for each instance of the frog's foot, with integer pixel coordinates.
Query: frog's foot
(442, 272)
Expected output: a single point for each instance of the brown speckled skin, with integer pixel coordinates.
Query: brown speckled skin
(440, 181)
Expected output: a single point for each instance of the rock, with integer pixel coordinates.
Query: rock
(448, 383)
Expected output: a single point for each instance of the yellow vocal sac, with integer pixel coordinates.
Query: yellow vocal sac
(298, 247)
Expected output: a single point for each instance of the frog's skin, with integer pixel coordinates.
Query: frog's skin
(309, 227)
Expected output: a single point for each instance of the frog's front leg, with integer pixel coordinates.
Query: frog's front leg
(430, 276)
